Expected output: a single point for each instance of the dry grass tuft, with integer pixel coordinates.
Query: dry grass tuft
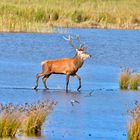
(124, 78)
(134, 82)
(134, 125)
(35, 117)
(10, 120)
(129, 79)
(28, 119)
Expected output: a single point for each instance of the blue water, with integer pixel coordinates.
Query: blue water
(102, 116)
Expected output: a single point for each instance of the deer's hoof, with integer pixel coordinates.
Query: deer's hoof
(78, 88)
(34, 87)
(46, 88)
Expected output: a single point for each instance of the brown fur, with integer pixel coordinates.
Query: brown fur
(67, 66)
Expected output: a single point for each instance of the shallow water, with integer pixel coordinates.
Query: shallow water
(101, 116)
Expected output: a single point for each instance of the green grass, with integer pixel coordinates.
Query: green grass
(43, 15)
(27, 119)
(134, 124)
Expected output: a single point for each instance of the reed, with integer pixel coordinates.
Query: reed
(10, 120)
(27, 119)
(35, 116)
(134, 82)
(124, 78)
(40, 15)
(134, 124)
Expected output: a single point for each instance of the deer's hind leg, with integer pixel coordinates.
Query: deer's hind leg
(37, 78)
(67, 81)
(44, 80)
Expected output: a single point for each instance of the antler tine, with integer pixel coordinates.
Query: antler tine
(70, 41)
(82, 45)
(78, 39)
(67, 39)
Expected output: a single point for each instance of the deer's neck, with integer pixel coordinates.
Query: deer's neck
(78, 61)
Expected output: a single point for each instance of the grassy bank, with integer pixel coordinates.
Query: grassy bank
(42, 15)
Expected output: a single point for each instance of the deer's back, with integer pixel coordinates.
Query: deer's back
(62, 66)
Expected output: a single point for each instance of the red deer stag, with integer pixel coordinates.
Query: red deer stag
(67, 66)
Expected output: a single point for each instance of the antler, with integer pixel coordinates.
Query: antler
(70, 41)
(82, 45)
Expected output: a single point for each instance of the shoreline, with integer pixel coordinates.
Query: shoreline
(62, 29)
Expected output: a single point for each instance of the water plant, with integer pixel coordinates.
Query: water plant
(134, 124)
(35, 117)
(124, 78)
(10, 120)
(27, 119)
(134, 82)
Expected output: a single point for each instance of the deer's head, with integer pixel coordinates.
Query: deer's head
(81, 50)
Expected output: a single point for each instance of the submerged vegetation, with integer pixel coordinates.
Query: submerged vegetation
(134, 125)
(43, 15)
(129, 79)
(25, 119)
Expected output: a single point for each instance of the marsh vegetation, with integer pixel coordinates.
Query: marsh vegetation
(129, 79)
(134, 124)
(25, 119)
(43, 15)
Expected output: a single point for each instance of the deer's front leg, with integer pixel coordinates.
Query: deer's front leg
(67, 81)
(78, 77)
